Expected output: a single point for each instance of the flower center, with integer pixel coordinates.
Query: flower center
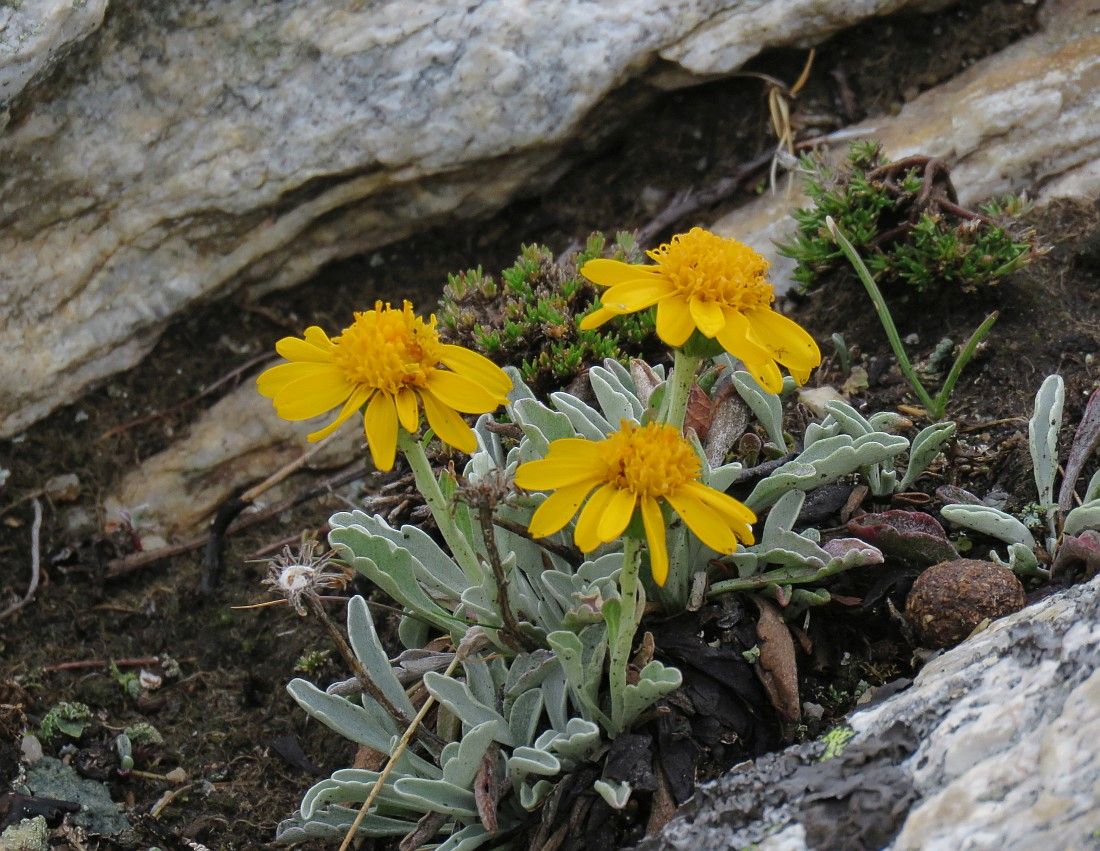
(388, 349)
(653, 460)
(705, 266)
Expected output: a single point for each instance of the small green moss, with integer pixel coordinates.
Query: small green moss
(529, 317)
(310, 662)
(66, 718)
(835, 741)
(904, 233)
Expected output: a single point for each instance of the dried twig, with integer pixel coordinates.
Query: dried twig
(511, 631)
(36, 563)
(570, 554)
(81, 664)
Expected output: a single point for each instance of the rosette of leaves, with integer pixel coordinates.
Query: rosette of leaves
(905, 220)
(529, 315)
(1068, 544)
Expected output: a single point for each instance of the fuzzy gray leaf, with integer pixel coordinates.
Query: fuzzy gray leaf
(925, 448)
(766, 406)
(989, 521)
(458, 698)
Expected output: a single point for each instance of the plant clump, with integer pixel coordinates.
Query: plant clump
(905, 219)
(529, 317)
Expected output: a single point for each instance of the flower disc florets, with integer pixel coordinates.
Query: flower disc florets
(388, 349)
(701, 265)
(650, 461)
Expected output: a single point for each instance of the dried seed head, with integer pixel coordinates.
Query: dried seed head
(308, 571)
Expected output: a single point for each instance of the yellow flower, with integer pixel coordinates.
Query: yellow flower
(634, 467)
(387, 360)
(716, 286)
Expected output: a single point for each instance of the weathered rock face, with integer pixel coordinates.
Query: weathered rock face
(1025, 118)
(35, 36)
(188, 149)
(993, 746)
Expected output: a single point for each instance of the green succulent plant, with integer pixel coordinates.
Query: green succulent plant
(905, 221)
(529, 316)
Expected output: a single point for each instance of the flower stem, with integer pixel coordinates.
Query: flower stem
(884, 317)
(965, 354)
(679, 387)
(426, 483)
(629, 617)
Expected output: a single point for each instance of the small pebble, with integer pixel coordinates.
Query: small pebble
(31, 749)
(63, 488)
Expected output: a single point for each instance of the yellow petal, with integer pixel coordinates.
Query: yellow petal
(735, 512)
(654, 523)
(312, 396)
(757, 360)
(461, 393)
(408, 414)
(707, 315)
(585, 535)
(316, 336)
(478, 367)
(580, 449)
(617, 514)
(786, 340)
(597, 318)
(674, 322)
(380, 425)
(635, 295)
(294, 349)
(607, 273)
(271, 381)
(548, 474)
(353, 404)
(707, 524)
(558, 509)
(448, 425)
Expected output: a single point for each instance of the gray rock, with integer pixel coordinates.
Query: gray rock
(52, 778)
(994, 746)
(190, 150)
(30, 834)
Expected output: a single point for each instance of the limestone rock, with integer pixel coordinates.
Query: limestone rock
(993, 746)
(36, 35)
(1027, 118)
(192, 150)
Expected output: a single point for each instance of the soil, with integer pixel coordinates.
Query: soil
(247, 750)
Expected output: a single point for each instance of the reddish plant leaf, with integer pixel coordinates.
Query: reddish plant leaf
(700, 412)
(1085, 441)
(912, 537)
(1078, 557)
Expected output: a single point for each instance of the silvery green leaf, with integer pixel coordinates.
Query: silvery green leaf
(458, 698)
(926, 446)
(766, 406)
(333, 824)
(467, 839)
(791, 550)
(573, 741)
(1042, 438)
(655, 680)
(477, 600)
(525, 761)
(527, 671)
(461, 769)
(746, 562)
(851, 421)
(825, 462)
(888, 421)
(1093, 490)
(525, 714)
(366, 725)
(352, 784)
(555, 693)
(622, 375)
(1021, 559)
(540, 423)
(413, 632)
(720, 478)
(531, 797)
(400, 583)
(615, 794)
(581, 657)
(819, 431)
(586, 420)
(437, 796)
(1085, 516)
(782, 516)
(480, 680)
(519, 389)
(616, 403)
(989, 521)
(368, 649)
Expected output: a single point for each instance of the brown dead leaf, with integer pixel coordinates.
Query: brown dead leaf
(662, 807)
(487, 789)
(700, 412)
(776, 666)
(369, 759)
(644, 655)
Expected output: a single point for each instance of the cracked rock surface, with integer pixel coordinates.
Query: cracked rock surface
(188, 150)
(996, 745)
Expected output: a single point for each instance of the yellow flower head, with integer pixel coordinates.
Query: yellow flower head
(387, 359)
(716, 286)
(634, 467)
